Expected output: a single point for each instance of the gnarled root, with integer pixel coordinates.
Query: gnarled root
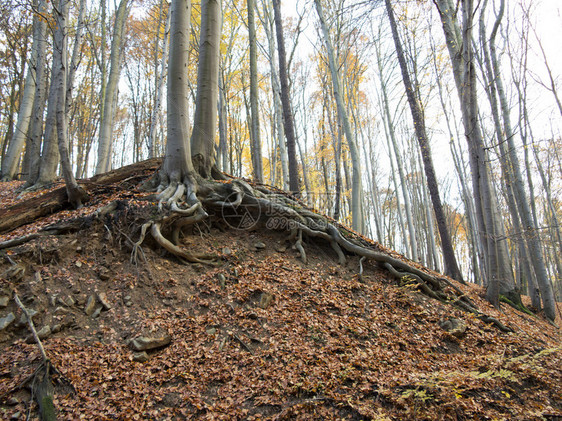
(266, 203)
(175, 250)
(179, 207)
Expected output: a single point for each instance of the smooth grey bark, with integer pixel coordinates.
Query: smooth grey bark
(411, 244)
(205, 118)
(268, 25)
(294, 184)
(500, 275)
(476, 247)
(32, 158)
(506, 165)
(356, 190)
(159, 80)
(49, 161)
(222, 156)
(451, 266)
(50, 153)
(12, 157)
(429, 218)
(76, 195)
(110, 98)
(75, 57)
(515, 179)
(177, 165)
(255, 140)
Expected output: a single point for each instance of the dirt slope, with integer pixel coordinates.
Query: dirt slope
(260, 336)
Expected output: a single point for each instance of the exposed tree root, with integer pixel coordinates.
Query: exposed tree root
(184, 201)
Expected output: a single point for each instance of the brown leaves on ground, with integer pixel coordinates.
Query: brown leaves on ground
(325, 346)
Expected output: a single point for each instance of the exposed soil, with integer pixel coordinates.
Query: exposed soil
(258, 336)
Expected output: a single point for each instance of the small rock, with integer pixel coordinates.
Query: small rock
(104, 275)
(259, 245)
(37, 277)
(266, 300)
(128, 303)
(43, 333)
(97, 312)
(16, 416)
(78, 264)
(140, 357)
(7, 321)
(12, 401)
(102, 298)
(222, 280)
(23, 318)
(127, 298)
(4, 300)
(226, 251)
(69, 301)
(211, 330)
(56, 328)
(60, 309)
(90, 305)
(281, 249)
(66, 301)
(455, 327)
(79, 249)
(145, 343)
(252, 315)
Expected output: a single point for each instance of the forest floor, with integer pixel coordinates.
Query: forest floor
(259, 336)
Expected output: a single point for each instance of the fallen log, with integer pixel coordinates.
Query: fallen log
(28, 211)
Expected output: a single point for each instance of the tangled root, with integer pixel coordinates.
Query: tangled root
(184, 204)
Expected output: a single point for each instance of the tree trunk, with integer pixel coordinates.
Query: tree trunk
(451, 266)
(110, 99)
(76, 195)
(489, 222)
(515, 178)
(277, 106)
(356, 190)
(12, 158)
(204, 124)
(222, 156)
(254, 94)
(177, 161)
(159, 88)
(33, 147)
(294, 184)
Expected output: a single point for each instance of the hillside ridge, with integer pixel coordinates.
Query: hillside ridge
(260, 335)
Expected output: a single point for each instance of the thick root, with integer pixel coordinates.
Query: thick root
(175, 250)
(186, 200)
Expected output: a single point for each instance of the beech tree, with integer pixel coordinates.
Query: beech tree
(294, 183)
(76, 194)
(451, 266)
(357, 191)
(254, 105)
(109, 94)
(11, 159)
